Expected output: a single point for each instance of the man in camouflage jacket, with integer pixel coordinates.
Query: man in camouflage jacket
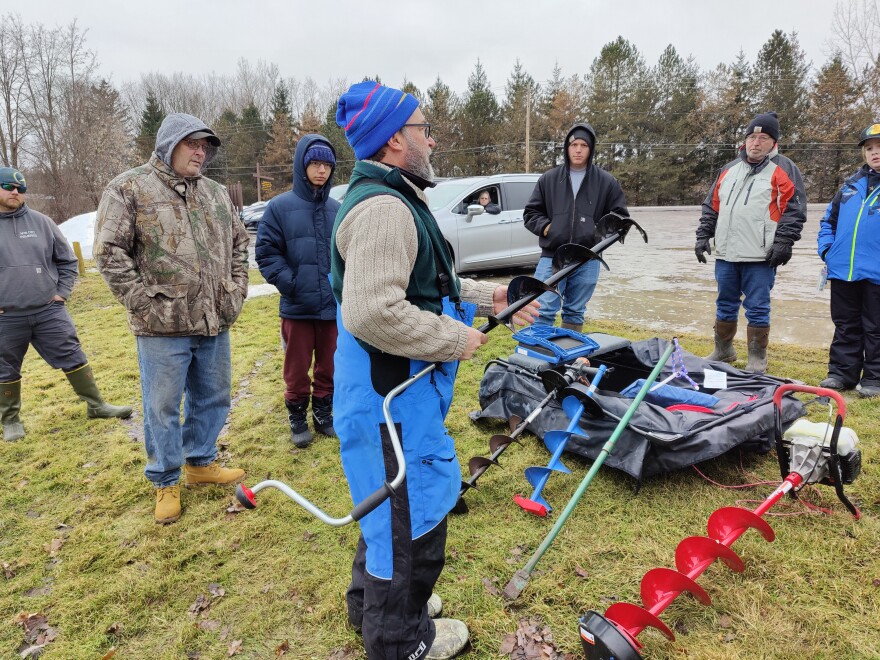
(174, 252)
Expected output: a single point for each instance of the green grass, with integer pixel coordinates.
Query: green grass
(814, 592)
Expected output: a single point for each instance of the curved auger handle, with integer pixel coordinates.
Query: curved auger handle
(246, 496)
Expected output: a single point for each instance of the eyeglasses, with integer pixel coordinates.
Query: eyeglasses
(195, 145)
(9, 187)
(427, 128)
(319, 164)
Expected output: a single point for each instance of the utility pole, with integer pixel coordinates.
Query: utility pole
(260, 179)
(528, 118)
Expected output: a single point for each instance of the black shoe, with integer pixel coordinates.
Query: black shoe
(322, 415)
(834, 383)
(869, 390)
(300, 435)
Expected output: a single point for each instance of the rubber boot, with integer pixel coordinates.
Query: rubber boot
(724, 351)
(300, 435)
(322, 415)
(577, 327)
(10, 404)
(211, 474)
(452, 637)
(83, 381)
(167, 505)
(758, 339)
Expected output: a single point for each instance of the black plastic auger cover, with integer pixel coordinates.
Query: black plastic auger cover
(603, 641)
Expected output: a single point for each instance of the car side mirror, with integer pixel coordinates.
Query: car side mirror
(472, 210)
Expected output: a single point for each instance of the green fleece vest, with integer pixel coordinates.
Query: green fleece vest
(423, 289)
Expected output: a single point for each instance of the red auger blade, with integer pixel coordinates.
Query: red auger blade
(696, 550)
(633, 619)
(661, 584)
(732, 520)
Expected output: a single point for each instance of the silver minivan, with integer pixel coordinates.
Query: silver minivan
(491, 237)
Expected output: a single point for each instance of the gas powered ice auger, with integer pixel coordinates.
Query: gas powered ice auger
(803, 459)
(521, 291)
(577, 400)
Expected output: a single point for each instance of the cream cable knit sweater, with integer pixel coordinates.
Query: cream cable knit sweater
(378, 241)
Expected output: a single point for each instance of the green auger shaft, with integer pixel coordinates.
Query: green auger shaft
(521, 577)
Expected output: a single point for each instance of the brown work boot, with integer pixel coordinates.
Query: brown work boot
(211, 474)
(452, 637)
(758, 338)
(167, 504)
(724, 351)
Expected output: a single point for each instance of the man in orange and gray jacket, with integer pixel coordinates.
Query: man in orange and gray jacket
(755, 210)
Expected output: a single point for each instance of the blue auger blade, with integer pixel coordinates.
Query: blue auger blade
(573, 409)
(553, 440)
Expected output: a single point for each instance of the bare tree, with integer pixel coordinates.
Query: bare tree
(856, 28)
(12, 79)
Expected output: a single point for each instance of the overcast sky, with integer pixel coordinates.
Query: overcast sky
(420, 40)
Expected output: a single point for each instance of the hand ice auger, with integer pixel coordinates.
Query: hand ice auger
(577, 400)
(554, 381)
(521, 291)
(521, 578)
(804, 458)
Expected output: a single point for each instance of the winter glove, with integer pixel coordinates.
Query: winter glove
(702, 248)
(547, 228)
(779, 254)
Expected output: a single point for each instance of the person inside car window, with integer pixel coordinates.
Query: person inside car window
(485, 200)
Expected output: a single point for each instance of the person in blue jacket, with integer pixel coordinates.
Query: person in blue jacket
(293, 253)
(849, 242)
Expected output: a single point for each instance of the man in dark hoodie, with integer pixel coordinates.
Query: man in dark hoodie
(293, 252)
(174, 252)
(37, 272)
(567, 202)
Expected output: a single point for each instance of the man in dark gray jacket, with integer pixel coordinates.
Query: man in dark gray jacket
(567, 202)
(37, 272)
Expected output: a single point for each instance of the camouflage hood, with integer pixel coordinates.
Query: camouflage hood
(174, 128)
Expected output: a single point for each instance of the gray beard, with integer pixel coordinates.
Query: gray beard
(417, 163)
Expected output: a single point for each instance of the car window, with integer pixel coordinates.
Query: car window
(517, 194)
(440, 196)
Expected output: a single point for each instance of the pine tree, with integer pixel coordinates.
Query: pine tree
(672, 130)
(562, 105)
(478, 117)
(151, 119)
(440, 109)
(522, 94)
(278, 153)
(779, 79)
(831, 128)
(620, 100)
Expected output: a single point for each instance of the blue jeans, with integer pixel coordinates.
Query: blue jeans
(747, 283)
(576, 291)
(200, 368)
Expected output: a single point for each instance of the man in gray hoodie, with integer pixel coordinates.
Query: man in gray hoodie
(37, 272)
(173, 250)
